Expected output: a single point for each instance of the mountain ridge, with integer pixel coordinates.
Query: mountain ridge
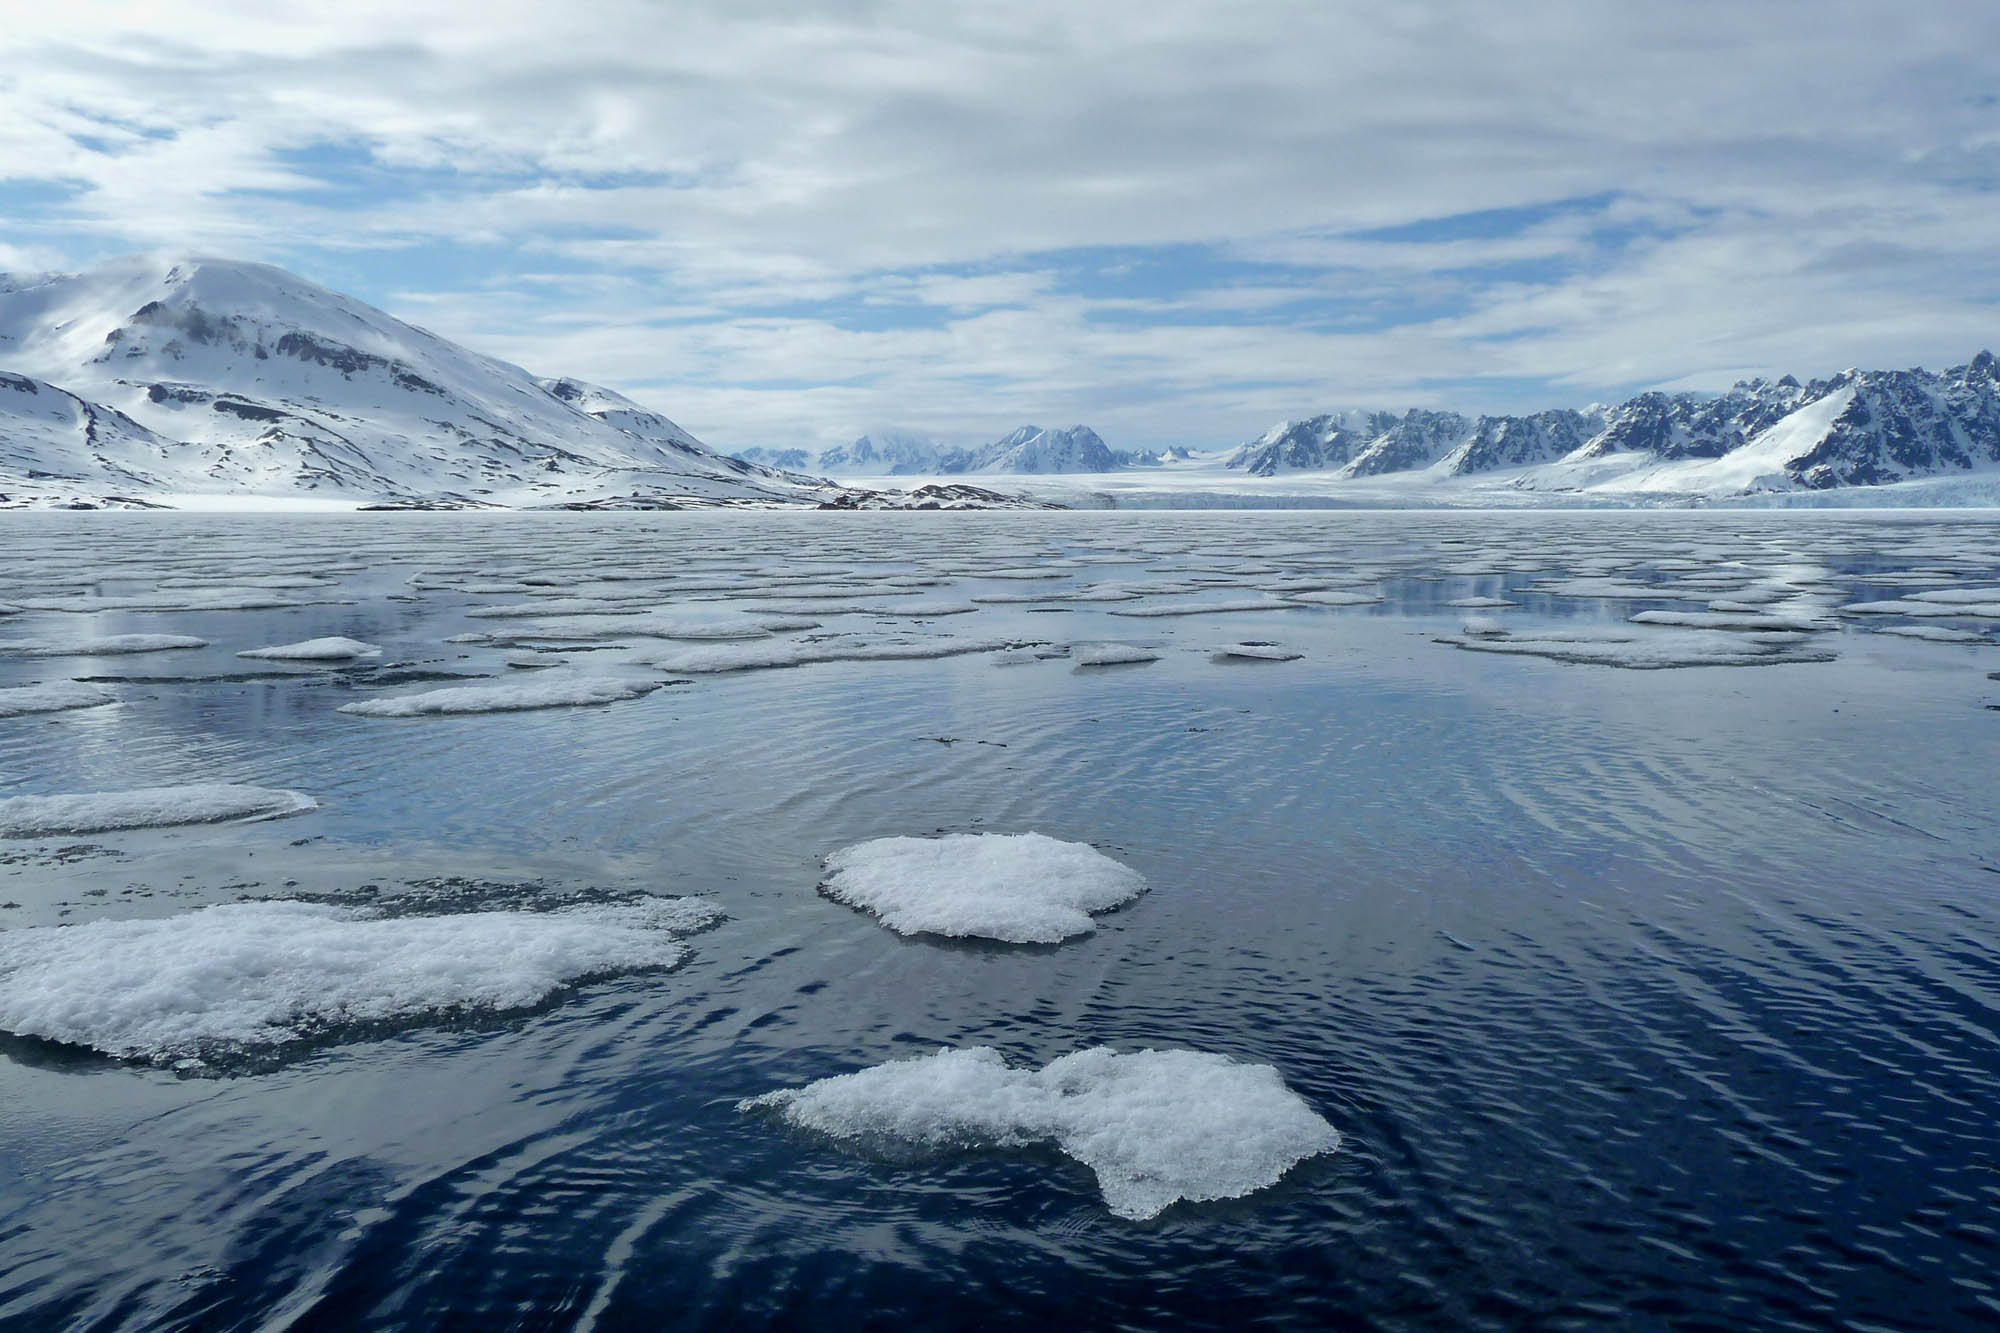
(163, 375)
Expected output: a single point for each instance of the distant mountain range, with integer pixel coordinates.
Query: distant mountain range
(153, 380)
(149, 379)
(1858, 428)
(1029, 451)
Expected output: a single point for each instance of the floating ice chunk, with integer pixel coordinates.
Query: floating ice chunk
(54, 697)
(1483, 626)
(1215, 608)
(548, 607)
(1913, 607)
(1113, 654)
(652, 625)
(1933, 633)
(144, 807)
(1022, 888)
(334, 649)
(1155, 1126)
(756, 656)
(247, 975)
(1260, 652)
(1478, 603)
(108, 645)
(514, 697)
(1335, 597)
(1724, 620)
(1654, 648)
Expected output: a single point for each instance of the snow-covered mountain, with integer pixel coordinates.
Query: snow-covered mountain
(153, 377)
(1034, 450)
(1858, 428)
(1030, 450)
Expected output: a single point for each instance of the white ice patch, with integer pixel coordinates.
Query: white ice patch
(1021, 888)
(559, 692)
(758, 656)
(264, 973)
(108, 645)
(1156, 1127)
(1335, 597)
(1483, 626)
(1260, 652)
(334, 649)
(1913, 607)
(144, 807)
(1724, 620)
(1478, 603)
(54, 697)
(1113, 654)
(1933, 633)
(1215, 608)
(1653, 648)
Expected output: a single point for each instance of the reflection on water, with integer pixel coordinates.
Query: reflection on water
(1663, 997)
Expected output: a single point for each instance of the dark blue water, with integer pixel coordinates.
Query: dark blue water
(1660, 998)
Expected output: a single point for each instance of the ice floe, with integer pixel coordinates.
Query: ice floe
(1213, 608)
(758, 656)
(1156, 1127)
(144, 807)
(1933, 633)
(259, 974)
(108, 645)
(1112, 654)
(1482, 626)
(1021, 888)
(333, 649)
(1260, 652)
(1653, 648)
(514, 697)
(54, 697)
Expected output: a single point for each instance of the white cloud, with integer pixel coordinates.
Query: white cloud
(1781, 186)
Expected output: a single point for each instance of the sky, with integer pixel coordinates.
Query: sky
(785, 224)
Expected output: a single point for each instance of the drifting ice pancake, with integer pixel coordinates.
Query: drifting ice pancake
(109, 645)
(263, 973)
(1113, 654)
(54, 697)
(1155, 1126)
(1021, 888)
(564, 692)
(144, 807)
(756, 656)
(1260, 652)
(315, 650)
(1653, 649)
(1207, 608)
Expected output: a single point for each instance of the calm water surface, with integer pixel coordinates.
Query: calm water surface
(1642, 998)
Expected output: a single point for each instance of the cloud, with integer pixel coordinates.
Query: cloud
(1175, 220)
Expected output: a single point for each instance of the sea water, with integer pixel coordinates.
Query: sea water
(1647, 971)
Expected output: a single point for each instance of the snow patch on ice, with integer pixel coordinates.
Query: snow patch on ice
(257, 974)
(514, 697)
(1113, 654)
(144, 807)
(1021, 888)
(761, 656)
(333, 649)
(108, 645)
(1155, 1126)
(54, 697)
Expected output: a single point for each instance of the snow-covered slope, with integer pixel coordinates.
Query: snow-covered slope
(1030, 450)
(1858, 428)
(154, 377)
(1033, 450)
